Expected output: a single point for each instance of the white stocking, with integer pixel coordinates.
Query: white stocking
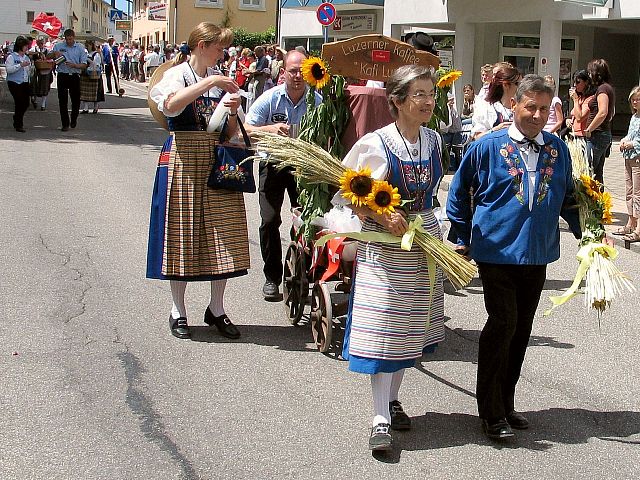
(178, 288)
(381, 387)
(216, 305)
(396, 380)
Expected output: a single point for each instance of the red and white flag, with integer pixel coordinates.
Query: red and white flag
(49, 24)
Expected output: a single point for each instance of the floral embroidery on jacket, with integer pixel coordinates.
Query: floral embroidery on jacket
(549, 156)
(514, 164)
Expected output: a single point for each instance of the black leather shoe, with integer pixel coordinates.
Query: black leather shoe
(497, 430)
(222, 323)
(20, 129)
(270, 291)
(179, 327)
(65, 129)
(399, 419)
(517, 420)
(73, 124)
(380, 438)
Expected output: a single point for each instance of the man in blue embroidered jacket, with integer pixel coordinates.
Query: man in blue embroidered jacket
(521, 183)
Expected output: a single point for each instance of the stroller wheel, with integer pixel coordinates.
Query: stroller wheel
(321, 316)
(295, 285)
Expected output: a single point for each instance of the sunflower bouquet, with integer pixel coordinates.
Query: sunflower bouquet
(603, 280)
(322, 125)
(316, 166)
(443, 87)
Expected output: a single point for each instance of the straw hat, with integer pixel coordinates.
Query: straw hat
(155, 78)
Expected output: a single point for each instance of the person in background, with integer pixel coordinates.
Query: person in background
(69, 77)
(196, 233)
(17, 65)
(91, 86)
(277, 66)
(601, 112)
(396, 308)
(581, 94)
(261, 72)
(556, 117)
(274, 112)
(630, 148)
(467, 104)
(109, 62)
(521, 181)
(486, 75)
(452, 133)
(302, 50)
(152, 60)
(142, 59)
(42, 78)
(494, 113)
(134, 73)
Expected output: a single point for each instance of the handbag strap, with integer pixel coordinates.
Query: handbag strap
(245, 136)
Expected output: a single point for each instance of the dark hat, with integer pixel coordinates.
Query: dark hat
(420, 41)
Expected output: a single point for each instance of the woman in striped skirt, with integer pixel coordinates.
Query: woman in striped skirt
(397, 304)
(195, 233)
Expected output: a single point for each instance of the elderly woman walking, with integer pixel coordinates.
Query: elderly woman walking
(396, 308)
(195, 233)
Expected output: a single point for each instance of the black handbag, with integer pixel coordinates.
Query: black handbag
(231, 171)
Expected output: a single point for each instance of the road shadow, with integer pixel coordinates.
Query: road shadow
(568, 426)
(290, 338)
(127, 115)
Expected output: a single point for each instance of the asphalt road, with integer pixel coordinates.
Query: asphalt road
(95, 387)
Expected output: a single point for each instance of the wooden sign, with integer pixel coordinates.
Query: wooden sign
(373, 57)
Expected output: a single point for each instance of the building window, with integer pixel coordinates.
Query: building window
(252, 5)
(30, 16)
(209, 3)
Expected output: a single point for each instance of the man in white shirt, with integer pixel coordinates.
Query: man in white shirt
(152, 60)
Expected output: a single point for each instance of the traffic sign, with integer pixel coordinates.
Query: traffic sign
(326, 14)
(115, 14)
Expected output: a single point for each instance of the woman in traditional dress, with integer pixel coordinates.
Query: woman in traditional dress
(195, 233)
(494, 112)
(397, 304)
(91, 87)
(43, 75)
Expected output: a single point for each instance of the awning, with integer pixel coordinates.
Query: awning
(588, 3)
(313, 4)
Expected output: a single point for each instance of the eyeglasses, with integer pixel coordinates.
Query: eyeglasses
(294, 72)
(578, 80)
(422, 97)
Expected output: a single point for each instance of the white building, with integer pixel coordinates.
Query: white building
(547, 37)
(17, 16)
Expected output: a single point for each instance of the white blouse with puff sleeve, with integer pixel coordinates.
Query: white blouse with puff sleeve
(177, 78)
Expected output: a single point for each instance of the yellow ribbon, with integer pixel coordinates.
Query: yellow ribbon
(406, 243)
(585, 257)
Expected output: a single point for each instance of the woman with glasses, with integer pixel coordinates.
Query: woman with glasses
(494, 112)
(396, 310)
(581, 94)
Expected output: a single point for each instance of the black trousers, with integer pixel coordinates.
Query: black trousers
(511, 296)
(20, 94)
(108, 71)
(68, 86)
(271, 189)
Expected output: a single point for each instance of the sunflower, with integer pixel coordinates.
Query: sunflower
(591, 186)
(448, 78)
(356, 185)
(315, 72)
(383, 198)
(607, 204)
